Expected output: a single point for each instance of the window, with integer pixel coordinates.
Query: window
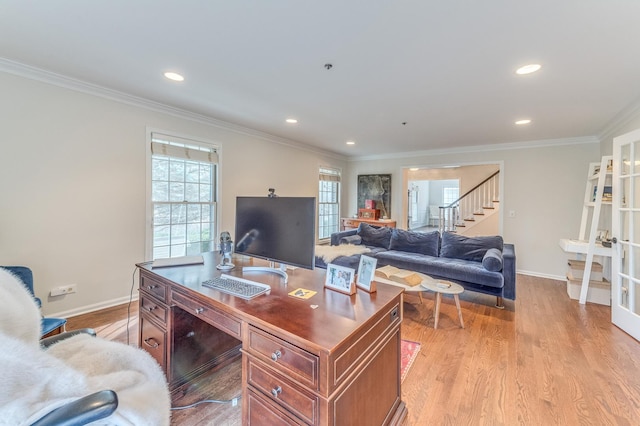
(183, 196)
(449, 195)
(328, 203)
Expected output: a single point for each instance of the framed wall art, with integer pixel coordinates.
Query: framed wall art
(376, 188)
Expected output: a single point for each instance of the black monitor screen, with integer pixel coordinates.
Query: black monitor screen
(278, 229)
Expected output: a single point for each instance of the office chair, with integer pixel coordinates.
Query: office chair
(72, 378)
(49, 325)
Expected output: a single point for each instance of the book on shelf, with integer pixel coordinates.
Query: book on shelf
(398, 275)
(607, 193)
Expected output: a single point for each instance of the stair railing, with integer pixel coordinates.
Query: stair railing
(472, 202)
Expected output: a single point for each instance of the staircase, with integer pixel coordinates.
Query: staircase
(472, 208)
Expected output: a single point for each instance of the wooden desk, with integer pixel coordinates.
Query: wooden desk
(336, 364)
(347, 223)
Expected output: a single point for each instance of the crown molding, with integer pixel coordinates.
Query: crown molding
(483, 148)
(620, 122)
(48, 77)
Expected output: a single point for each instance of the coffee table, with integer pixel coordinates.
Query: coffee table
(419, 288)
(440, 287)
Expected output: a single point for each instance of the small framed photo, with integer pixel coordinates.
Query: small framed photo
(366, 270)
(340, 278)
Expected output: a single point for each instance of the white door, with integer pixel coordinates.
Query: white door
(625, 268)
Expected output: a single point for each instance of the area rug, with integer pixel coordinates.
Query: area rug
(409, 351)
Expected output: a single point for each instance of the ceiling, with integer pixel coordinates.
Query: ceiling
(407, 75)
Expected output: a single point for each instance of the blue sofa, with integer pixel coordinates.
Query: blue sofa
(481, 264)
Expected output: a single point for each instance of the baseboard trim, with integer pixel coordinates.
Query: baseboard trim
(539, 275)
(94, 307)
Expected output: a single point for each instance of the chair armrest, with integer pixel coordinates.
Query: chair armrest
(82, 411)
(337, 236)
(48, 341)
(509, 271)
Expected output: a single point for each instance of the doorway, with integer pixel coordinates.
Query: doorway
(425, 198)
(425, 189)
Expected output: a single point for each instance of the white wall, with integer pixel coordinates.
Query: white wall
(544, 185)
(72, 185)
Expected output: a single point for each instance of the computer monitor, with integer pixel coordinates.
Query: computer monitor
(278, 229)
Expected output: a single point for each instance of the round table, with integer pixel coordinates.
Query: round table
(440, 287)
(419, 288)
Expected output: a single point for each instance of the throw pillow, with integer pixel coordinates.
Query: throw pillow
(415, 242)
(457, 246)
(376, 237)
(492, 260)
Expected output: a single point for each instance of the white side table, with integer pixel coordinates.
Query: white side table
(419, 288)
(440, 287)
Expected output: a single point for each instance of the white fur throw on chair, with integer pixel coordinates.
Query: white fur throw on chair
(34, 381)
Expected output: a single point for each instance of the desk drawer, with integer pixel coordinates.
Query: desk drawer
(154, 287)
(292, 361)
(263, 412)
(151, 306)
(282, 392)
(209, 314)
(152, 340)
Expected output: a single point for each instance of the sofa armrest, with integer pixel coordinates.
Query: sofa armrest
(509, 271)
(337, 236)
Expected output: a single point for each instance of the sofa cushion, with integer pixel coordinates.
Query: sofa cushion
(455, 246)
(415, 242)
(492, 260)
(376, 237)
(442, 268)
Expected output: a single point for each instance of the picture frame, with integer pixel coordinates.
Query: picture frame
(340, 278)
(366, 272)
(375, 191)
(602, 235)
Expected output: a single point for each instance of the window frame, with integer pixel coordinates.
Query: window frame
(215, 201)
(328, 174)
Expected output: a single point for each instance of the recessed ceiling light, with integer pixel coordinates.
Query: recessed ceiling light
(291, 120)
(414, 169)
(520, 122)
(174, 76)
(351, 143)
(528, 69)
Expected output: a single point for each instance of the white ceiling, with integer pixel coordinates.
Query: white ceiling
(446, 68)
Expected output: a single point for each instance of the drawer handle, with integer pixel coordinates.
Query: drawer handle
(276, 391)
(199, 311)
(151, 287)
(276, 355)
(151, 342)
(150, 308)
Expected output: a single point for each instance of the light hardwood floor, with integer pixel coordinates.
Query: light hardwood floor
(544, 360)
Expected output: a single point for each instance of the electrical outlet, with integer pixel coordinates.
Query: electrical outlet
(66, 289)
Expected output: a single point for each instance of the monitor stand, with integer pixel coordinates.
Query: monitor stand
(271, 268)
